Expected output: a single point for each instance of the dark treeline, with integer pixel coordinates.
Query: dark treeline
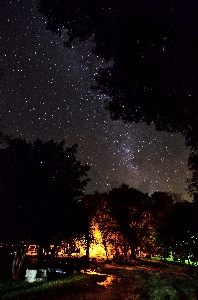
(153, 46)
(153, 79)
(160, 224)
(42, 201)
(41, 185)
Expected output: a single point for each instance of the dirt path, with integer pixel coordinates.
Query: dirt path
(142, 280)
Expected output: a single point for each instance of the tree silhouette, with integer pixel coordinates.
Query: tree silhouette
(153, 45)
(127, 206)
(161, 207)
(41, 186)
(193, 166)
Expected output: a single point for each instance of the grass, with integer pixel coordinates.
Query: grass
(10, 289)
(169, 259)
(141, 279)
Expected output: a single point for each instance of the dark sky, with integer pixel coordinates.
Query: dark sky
(45, 93)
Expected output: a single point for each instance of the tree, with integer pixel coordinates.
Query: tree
(108, 226)
(184, 229)
(127, 206)
(193, 181)
(173, 221)
(153, 45)
(120, 218)
(41, 185)
(91, 204)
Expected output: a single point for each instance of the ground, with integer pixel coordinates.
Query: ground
(138, 280)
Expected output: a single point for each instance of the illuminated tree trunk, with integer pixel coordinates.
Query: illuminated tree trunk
(116, 247)
(19, 258)
(125, 251)
(87, 247)
(106, 250)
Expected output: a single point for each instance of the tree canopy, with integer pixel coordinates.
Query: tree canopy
(129, 220)
(153, 45)
(41, 184)
(193, 180)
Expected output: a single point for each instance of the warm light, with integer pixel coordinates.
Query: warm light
(108, 281)
(97, 249)
(32, 250)
(109, 278)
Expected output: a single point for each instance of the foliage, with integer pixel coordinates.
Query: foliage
(160, 223)
(120, 217)
(127, 206)
(175, 225)
(40, 290)
(193, 166)
(153, 45)
(39, 182)
(41, 185)
(112, 236)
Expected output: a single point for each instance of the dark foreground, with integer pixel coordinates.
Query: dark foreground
(139, 280)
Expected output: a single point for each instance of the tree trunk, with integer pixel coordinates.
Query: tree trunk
(19, 258)
(87, 247)
(125, 251)
(106, 250)
(40, 255)
(116, 247)
(132, 252)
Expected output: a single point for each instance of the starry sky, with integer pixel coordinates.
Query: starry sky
(45, 93)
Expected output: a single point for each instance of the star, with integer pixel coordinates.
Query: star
(46, 93)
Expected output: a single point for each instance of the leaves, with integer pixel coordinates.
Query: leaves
(193, 166)
(154, 52)
(41, 183)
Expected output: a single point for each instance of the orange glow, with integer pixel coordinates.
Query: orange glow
(91, 272)
(32, 250)
(108, 281)
(109, 278)
(97, 249)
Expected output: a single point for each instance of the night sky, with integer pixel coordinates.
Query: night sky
(45, 93)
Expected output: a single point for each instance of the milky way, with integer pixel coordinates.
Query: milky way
(45, 93)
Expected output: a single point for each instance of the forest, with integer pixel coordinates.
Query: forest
(43, 202)
(152, 47)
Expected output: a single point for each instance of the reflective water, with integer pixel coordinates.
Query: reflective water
(108, 278)
(108, 281)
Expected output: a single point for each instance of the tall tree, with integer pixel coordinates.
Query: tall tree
(161, 208)
(193, 181)
(91, 204)
(153, 45)
(100, 216)
(127, 206)
(41, 185)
